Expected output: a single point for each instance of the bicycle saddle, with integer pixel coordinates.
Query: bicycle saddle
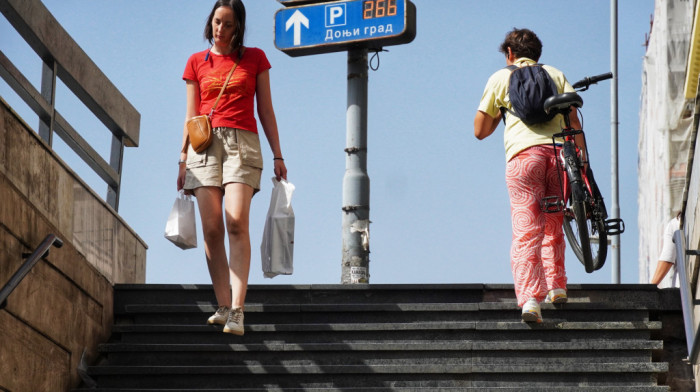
(560, 103)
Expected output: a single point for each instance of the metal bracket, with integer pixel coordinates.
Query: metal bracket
(354, 208)
(692, 252)
(354, 150)
(26, 255)
(39, 253)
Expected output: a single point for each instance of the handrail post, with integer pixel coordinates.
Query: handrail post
(48, 91)
(40, 252)
(115, 161)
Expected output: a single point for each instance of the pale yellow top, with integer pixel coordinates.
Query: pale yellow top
(518, 136)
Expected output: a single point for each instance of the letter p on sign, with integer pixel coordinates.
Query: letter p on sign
(335, 15)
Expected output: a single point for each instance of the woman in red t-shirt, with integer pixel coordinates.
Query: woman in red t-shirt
(229, 171)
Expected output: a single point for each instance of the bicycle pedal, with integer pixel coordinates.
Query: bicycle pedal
(551, 204)
(614, 226)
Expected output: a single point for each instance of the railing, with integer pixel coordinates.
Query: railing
(40, 252)
(63, 58)
(686, 295)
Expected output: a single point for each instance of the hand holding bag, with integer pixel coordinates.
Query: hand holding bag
(181, 228)
(199, 127)
(277, 248)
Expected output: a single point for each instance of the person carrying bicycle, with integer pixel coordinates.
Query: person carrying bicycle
(537, 249)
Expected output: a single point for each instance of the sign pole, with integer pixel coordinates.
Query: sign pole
(614, 124)
(355, 262)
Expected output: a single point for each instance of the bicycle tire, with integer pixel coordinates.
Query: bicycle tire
(584, 220)
(577, 234)
(597, 226)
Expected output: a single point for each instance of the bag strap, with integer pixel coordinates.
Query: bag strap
(503, 110)
(230, 73)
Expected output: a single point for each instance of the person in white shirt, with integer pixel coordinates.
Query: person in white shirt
(667, 258)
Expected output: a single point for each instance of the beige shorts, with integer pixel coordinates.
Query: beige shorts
(233, 156)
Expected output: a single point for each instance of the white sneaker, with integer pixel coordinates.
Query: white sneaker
(234, 324)
(220, 316)
(557, 296)
(531, 311)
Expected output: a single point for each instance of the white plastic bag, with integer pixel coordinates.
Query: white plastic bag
(277, 248)
(181, 228)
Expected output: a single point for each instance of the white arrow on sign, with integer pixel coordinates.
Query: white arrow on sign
(297, 20)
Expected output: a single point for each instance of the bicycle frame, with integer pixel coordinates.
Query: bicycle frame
(568, 135)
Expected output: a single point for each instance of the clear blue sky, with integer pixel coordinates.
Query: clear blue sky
(439, 207)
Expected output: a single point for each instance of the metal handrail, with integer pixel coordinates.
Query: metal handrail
(687, 301)
(40, 252)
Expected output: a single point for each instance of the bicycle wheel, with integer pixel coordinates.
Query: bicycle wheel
(584, 221)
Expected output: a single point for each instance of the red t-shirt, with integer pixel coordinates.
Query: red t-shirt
(236, 107)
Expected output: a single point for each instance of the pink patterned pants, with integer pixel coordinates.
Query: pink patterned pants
(537, 251)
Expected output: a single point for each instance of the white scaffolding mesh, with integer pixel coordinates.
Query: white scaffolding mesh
(664, 129)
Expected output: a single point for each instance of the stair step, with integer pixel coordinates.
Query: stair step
(360, 353)
(438, 375)
(390, 346)
(644, 294)
(325, 333)
(637, 388)
(469, 325)
(373, 313)
(378, 307)
(446, 367)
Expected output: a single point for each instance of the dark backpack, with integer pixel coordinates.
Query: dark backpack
(529, 86)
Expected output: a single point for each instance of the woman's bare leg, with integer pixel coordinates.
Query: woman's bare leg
(209, 200)
(237, 204)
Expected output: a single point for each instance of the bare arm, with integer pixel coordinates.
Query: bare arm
(484, 124)
(662, 269)
(573, 117)
(266, 113)
(191, 111)
(576, 124)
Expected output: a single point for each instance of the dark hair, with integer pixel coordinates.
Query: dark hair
(523, 43)
(238, 13)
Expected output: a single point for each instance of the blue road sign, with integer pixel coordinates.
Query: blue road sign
(337, 26)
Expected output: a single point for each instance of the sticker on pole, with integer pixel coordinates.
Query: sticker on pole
(358, 275)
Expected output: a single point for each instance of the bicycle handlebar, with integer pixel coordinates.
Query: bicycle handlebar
(586, 82)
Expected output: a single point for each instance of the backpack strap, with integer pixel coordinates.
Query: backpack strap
(503, 110)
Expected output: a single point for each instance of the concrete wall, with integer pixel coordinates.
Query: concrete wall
(64, 305)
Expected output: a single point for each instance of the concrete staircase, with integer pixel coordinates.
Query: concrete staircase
(386, 338)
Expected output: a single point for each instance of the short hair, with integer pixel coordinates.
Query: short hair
(523, 43)
(238, 13)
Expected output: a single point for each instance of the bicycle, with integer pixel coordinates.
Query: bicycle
(586, 222)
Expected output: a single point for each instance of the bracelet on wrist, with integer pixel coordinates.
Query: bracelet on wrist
(180, 162)
(278, 159)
